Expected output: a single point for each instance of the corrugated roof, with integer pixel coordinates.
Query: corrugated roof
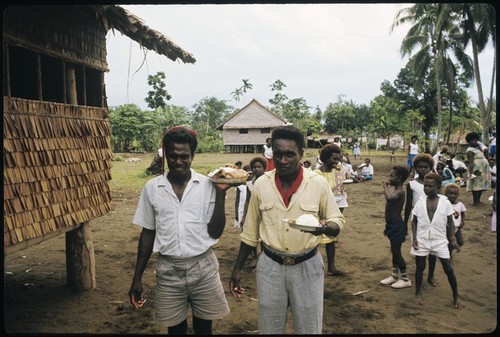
(116, 17)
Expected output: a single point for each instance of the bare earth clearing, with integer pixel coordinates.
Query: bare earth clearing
(36, 299)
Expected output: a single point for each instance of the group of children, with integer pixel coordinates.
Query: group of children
(436, 223)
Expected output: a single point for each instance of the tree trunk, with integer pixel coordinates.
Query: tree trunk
(80, 260)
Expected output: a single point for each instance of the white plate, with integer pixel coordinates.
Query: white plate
(348, 181)
(305, 227)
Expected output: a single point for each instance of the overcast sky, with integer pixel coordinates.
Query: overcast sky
(319, 51)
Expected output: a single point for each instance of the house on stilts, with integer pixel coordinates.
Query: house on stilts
(246, 130)
(56, 131)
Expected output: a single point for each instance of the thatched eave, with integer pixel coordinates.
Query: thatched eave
(116, 17)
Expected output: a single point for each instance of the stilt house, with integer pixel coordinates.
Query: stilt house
(246, 131)
(56, 132)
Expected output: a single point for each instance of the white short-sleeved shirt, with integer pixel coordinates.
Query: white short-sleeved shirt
(459, 207)
(180, 225)
(366, 169)
(417, 191)
(268, 152)
(458, 164)
(413, 148)
(435, 229)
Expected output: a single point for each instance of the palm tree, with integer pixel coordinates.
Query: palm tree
(433, 31)
(479, 27)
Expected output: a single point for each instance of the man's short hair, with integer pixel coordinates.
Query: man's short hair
(289, 132)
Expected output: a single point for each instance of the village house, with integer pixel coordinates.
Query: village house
(57, 148)
(246, 130)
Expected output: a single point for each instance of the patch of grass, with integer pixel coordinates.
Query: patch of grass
(132, 176)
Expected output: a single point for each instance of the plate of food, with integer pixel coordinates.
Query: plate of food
(228, 175)
(305, 222)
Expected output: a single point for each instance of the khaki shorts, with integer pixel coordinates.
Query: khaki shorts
(195, 281)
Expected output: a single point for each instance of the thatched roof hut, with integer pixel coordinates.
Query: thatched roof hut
(247, 129)
(57, 151)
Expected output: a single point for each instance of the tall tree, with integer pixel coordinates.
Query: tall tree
(158, 96)
(238, 92)
(479, 27)
(432, 23)
(279, 100)
(124, 120)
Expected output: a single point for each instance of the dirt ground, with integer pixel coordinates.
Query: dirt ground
(36, 299)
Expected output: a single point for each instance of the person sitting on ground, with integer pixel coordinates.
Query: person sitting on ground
(457, 167)
(445, 173)
(366, 170)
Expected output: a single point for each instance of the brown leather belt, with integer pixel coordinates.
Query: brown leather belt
(290, 260)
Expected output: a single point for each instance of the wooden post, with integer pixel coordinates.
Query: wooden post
(6, 71)
(39, 89)
(80, 259)
(84, 86)
(71, 84)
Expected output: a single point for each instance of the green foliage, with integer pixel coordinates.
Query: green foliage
(210, 144)
(158, 96)
(124, 120)
(208, 114)
(237, 93)
(346, 118)
(280, 99)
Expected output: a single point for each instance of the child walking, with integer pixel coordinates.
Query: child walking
(433, 229)
(451, 191)
(395, 228)
(422, 164)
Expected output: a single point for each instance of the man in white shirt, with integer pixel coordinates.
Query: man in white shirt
(182, 214)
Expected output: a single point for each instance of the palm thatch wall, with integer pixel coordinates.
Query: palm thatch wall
(57, 163)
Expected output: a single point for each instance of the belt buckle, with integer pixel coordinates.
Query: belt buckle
(288, 261)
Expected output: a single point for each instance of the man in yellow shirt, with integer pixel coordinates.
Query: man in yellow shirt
(290, 273)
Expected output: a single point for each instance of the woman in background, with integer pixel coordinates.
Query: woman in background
(479, 169)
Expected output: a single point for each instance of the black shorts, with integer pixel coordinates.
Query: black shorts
(396, 232)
